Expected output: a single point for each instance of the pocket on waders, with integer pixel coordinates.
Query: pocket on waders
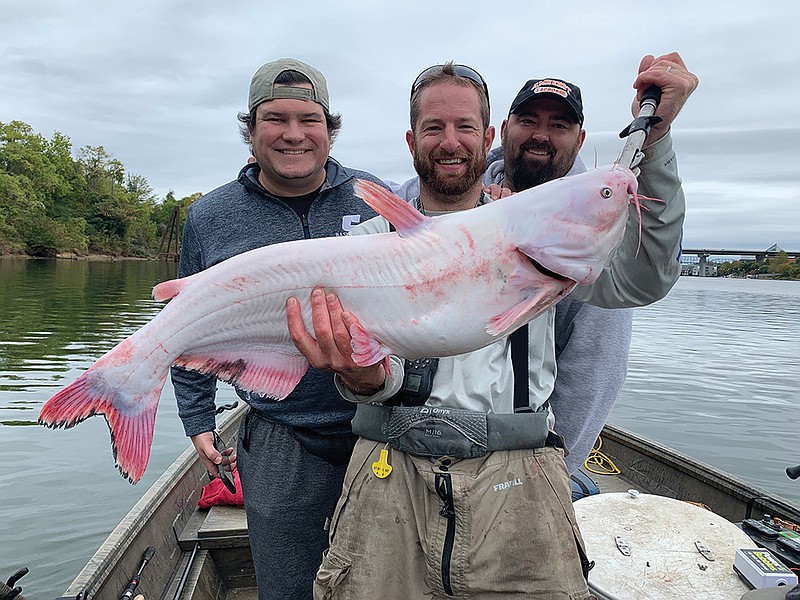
(333, 571)
(361, 456)
(555, 460)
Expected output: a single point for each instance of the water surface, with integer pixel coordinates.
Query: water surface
(713, 373)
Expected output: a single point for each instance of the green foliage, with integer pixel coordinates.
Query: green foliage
(51, 202)
(781, 267)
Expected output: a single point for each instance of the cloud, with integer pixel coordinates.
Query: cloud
(159, 84)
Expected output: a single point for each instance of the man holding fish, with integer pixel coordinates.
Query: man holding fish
(541, 141)
(592, 343)
(292, 455)
(462, 491)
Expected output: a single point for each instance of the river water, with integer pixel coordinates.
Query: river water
(713, 373)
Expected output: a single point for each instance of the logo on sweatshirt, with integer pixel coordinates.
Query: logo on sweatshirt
(349, 221)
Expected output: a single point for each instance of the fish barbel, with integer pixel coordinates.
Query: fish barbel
(436, 287)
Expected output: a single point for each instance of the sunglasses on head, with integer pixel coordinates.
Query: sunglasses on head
(460, 70)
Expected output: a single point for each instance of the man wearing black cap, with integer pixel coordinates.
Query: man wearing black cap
(541, 139)
(543, 133)
(292, 455)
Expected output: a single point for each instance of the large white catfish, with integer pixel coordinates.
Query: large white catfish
(435, 287)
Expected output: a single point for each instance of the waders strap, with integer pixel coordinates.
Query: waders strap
(519, 361)
(441, 431)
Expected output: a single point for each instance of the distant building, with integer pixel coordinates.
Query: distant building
(693, 269)
(690, 265)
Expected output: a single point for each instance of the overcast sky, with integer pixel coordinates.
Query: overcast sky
(159, 83)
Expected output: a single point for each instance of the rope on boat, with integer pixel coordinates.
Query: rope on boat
(598, 463)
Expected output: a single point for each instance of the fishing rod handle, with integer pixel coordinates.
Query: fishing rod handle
(17, 576)
(128, 593)
(793, 472)
(636, 133)
(651, 96)
(148, 555)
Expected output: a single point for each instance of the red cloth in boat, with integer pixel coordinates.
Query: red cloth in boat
(216, 494)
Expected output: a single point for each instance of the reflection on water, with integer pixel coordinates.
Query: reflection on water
(713, 374)
(60, 494)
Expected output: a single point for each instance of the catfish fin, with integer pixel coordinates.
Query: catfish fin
(131, 430)
(367, 350)
(168, 289)
(270, 372)
(519, 314)
(405, 218)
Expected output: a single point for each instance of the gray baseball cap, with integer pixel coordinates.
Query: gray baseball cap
(262, 87)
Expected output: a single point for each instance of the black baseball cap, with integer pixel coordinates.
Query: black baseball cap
(568, 93)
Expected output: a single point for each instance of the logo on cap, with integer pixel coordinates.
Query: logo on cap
(569, 93)
(551, 86)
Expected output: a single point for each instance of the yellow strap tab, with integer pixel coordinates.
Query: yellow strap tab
(382, 468)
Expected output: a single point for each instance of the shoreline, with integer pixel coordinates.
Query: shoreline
(74, 256)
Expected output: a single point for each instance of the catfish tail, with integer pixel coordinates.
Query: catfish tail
(128, 399)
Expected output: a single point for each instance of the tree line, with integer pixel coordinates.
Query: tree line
(779, 267)
(52, 202)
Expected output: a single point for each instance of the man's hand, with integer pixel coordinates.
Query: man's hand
(329, 348)
(495, 191)
(204, 445)
(676, 82)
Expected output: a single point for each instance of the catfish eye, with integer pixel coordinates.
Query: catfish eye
(606, 192)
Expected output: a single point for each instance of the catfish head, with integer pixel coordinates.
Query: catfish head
(570, 227)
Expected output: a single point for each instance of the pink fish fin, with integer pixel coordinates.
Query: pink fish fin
(131, 432)
(169, 289)
(387, 367)
(366, 349)
(517, 315)
(405, 218)
(269, 372)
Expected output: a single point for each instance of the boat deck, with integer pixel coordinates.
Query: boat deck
(218, 563)
(612, 483)
(223, 568)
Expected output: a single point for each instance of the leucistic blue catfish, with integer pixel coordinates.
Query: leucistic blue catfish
(436, 287)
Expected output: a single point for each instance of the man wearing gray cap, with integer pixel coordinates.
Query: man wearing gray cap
(292, 455)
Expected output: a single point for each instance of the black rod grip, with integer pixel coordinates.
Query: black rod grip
(651, 93)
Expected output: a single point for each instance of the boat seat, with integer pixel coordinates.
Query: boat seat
(216, 527)
(223, 521)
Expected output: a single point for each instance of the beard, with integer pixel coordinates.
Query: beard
(447, 186)
(526, 173)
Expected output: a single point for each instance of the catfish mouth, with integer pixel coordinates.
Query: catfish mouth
(545, 271)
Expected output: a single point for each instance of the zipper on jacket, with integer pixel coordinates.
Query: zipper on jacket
(444, 487)
(306, 228)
